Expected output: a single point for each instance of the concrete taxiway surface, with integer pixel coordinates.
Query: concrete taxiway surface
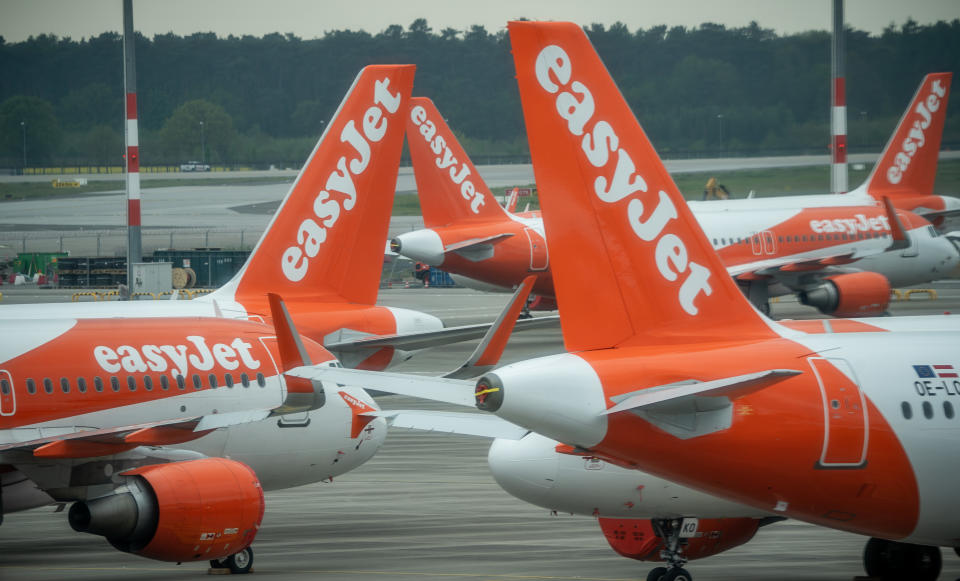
(427, 508)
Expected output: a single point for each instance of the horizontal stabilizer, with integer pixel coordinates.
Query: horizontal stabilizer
(482, 425)
(433, 388)
(732, 387)
(473, 242)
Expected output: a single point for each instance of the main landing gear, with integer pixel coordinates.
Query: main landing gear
(672, 553)
(239, 563)
(889, 560)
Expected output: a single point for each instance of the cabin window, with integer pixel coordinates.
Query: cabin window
(948, 410)
(928, 410)
(114, 383)
(228, 379)
(181, 384)
(147, 383)
(132, 383)
(31, 386)
(245, 380)
(65, 384)
(213, 380)
(261, 380)
(196, 381)
(164, 383)
(907, 410)
(81, 385)
(97, 383)
(47, 385)
(4, 387)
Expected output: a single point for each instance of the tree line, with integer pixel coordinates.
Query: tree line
(707, 90)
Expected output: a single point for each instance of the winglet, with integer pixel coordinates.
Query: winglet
(511, 205)
(491, 347)
(341, 200)
(448, 185)
(900, 236)
(302, 394)
(908, 164)
(639, 269)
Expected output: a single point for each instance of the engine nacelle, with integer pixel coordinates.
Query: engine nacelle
(857, 294)
(183, 511)
(636, 538)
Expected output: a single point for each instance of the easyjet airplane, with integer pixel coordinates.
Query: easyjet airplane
(165, 432)
(671, 370)
(323, 250)
(827, 249)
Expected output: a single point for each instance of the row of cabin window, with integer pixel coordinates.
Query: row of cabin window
(927, 408)
(812, 238)
(148, 383)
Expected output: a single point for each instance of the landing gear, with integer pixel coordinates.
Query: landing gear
(238, 563)
(889, 560)
(672, 553)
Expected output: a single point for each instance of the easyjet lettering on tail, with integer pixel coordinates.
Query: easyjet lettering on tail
(310, 234)
(459, 170)
(178, 359)
(917, 137)
(554, 70)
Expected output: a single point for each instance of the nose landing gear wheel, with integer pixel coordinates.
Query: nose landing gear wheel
(677, 574)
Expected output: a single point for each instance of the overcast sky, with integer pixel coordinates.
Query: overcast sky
(78, 19)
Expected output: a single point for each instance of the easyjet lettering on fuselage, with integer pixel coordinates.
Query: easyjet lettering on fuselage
(576, 106)
(916, 137)
(459, 171)
(859, 223)
(176, 359)
(311, 235)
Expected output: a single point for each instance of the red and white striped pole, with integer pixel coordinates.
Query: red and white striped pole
(838, 112)
(134, 249)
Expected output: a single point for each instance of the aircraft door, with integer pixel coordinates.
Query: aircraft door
(298, 420)
(769, 242)
(845, 415)
(8, 400)
(539, 259)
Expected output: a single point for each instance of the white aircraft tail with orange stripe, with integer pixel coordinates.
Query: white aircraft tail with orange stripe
(591, 155)
(341, 199)
(448, 185)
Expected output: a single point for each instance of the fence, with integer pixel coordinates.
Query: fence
(113, 242)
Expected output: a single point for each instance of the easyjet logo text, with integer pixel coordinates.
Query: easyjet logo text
(312, 232)
(601, 147)
(916, 138)
(458, 172)
(176, 359)
(859, 223)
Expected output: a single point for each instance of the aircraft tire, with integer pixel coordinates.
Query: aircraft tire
(889, 560)
(656, 574)
(240, 563)
(677, 574)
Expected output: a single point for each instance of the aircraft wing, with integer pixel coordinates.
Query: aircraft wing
(481, 425)
(455, 391)
(414, 341)
(90, 443)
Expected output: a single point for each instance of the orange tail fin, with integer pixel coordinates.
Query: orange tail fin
(449, 187)
(631, 264)
(908, 164)
(326, 240)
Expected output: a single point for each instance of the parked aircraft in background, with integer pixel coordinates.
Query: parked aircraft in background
(342, 199)
(845, 424)
(827, 249)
